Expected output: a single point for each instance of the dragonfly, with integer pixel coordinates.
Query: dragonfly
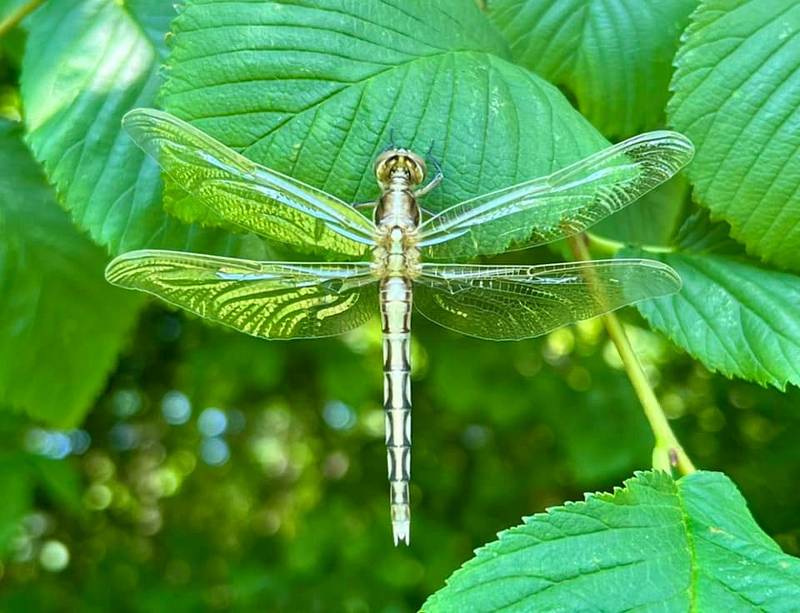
(402, 256)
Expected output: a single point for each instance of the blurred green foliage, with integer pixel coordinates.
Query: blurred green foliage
(296, 515)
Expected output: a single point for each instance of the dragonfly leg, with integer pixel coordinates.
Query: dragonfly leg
(433, 183)
(426, 214)
(364, 205)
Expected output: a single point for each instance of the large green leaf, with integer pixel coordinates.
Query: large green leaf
(614, 55)
(656, 544)
(61, 324)
(316, 89)
(733, 315)
(737, 96)
(87, 63)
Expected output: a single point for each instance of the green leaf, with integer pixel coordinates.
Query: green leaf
(615, 56)
(61, 324)
(737, 91)
(87, 63)
(656, 544)
(733, 315)
(699, 234)
(315, 89)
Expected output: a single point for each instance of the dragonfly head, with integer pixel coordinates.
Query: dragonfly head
(399, 163)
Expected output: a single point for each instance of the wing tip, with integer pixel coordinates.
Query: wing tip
(670, 281)
(147, 125)
(140, 114)
(671, 275)
(117, 268)
(678, 142)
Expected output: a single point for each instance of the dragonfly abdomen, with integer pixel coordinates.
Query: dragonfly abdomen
(396, 319)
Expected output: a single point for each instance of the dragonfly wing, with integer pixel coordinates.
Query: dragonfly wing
(276, 300)
(561, 204)
(241, 192)
(516, 302)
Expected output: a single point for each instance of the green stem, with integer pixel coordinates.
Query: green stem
(11, 22)
(609, 247)
(668, 452)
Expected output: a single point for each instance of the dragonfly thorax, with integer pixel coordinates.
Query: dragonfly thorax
(396, 253)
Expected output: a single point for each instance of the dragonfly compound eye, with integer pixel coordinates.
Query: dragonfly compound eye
(402, 162)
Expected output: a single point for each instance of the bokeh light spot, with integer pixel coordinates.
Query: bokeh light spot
(559, 344)
(54, 556)
(212, 422)
(176, 408)
(126, 403)
(338, 415)
(375, 422)
(80, 441)
(123, 437)
(336, 465)
(97, 497)
(475, 436)
(214, 451)
(51, 444)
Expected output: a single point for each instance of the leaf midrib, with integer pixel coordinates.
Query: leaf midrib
(359, 83)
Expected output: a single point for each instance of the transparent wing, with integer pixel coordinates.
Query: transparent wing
(268, 299)
(561, 204)
(243, 193)
(516, 302)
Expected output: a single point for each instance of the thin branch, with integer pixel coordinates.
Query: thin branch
(668, 452)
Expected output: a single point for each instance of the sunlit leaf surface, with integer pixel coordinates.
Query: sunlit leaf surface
(685, 545)
(87, 63)
(733, 314)
(737, 94)
(61, 324)
(615, 56)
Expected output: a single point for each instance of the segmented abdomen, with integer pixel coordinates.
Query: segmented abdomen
(396, 320)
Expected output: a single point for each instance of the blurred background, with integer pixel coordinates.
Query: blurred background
(220, 472)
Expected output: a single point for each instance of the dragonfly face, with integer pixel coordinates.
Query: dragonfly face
(399, 164)
(386, 262)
